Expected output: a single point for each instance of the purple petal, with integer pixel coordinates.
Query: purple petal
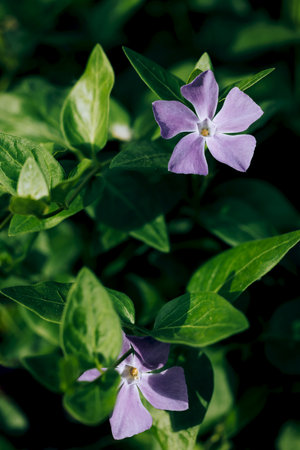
(235, 151)
(149, 353)
(238, 113)
(126, 345)
(188, 156)
(89, 375)
(173, 117)
(166, 390)
(129, 416)
(203, 93)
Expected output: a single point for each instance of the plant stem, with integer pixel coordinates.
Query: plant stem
(4, 222)
(123, 357)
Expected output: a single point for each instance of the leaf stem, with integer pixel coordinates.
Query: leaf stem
(5, 221)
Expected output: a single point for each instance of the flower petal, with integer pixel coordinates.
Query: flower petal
(89, 375)
(238, 112)
(166, 390)
(173, 117)
(203, 93)
(149, 353)
(129, 416)
(235, 151)
(188, 156)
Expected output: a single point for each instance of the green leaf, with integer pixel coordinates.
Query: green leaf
(47, 330)
(141, 155)
(62, 189)
(14, 152)
(245, 83)
(86, 109)
(90, 325)
(200, 383)
(225, 381)
(119, 122)
(12, 419)
(46, 299)
(31, 181)
(45, 369)
(32, 111)
(168, 438)
(289, 436)
(268, 201)
(130, 200)
(28, 224)
(123, 305)
(27, 206)
(204, 63)
(198, 320)
(5, 444)
(154, 234)
(162, 82)
(234, 221)
(283, 338)
(91, 403)
(232, 271)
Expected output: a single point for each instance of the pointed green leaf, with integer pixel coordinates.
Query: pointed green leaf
(204, 63)
(162, 82)
(245, 83)
(91, 403)
(198, 320)
(86, 109)
(46, 299)
(31, 181)
(154, 234)
(123, 305)
(232, 271)
(90, 325)
(14, 152)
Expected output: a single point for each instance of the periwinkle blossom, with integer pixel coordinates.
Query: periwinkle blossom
(237, 114)
(165, 390)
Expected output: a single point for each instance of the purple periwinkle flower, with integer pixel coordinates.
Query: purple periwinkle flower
(237, 114)
(164, 390)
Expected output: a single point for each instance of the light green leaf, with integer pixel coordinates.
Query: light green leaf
(12, 418)
(123, 305)
(162, 82)
(32, 111)
(245, 83)
(289, 436)
(28, 206)
(90, 325)
(232, 271)
(46, 299)
(14, 152)
(198, 320)
(31, 181)
(119, 122)
(204, 63)
(91, 403)
(86, 109)
(47, 330)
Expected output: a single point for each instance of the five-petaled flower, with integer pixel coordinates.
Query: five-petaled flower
(237, 114)
(164, 390)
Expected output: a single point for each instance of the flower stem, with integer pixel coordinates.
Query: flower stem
(123, 357)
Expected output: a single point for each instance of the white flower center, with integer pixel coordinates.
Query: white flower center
(131, 374)
(206, 128)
